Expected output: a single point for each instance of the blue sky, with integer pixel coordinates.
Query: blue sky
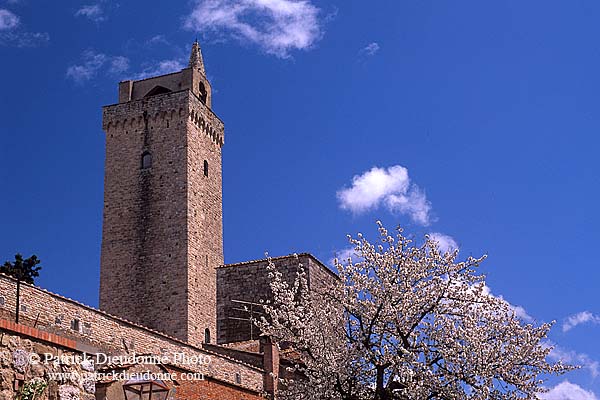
(474, 120)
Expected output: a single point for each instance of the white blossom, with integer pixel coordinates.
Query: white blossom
(405, 322)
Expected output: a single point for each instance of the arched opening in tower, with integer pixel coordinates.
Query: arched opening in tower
(158, 90)
(203, 93)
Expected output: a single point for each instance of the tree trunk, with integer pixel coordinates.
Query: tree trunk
(380, 392)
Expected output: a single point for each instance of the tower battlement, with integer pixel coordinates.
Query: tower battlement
(162, 110)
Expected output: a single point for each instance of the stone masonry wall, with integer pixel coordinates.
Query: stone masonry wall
(204, 221)
(162, 228)
(249, 282)
(62, 382)
(172, 82)
(95, 330)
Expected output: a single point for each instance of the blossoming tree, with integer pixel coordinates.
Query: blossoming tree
(405, 322)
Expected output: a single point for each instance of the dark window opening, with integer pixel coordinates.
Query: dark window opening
(146, 160)
(238, 378)
(157, 90)
(207, 335)
(203, 92)
(206, 168)
(75, 325)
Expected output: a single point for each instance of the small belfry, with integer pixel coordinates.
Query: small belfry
(162, 235)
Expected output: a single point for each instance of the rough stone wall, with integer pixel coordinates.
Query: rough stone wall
(172, 82)
(64, 382)
(162, 228)
(204, 219)
(143, 274)
(249, 282)
(22, 362)
(254, 358)
(96, 330)
(188, 78)
(320, 277)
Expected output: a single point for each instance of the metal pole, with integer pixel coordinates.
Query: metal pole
(251, 324)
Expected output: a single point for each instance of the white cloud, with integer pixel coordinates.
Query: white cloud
(119, 64)
(344, 254)
(277, 26)
(445, 243)
(522, 313)
(390, 187)
(162, 68)
(93, 12)
(23, 39)
(568, 391)
(8, 20)
(93, 63)
(11, 35)
(370, 50)
(157, 39)
(580, 318)
(574, 358)
(518, 310)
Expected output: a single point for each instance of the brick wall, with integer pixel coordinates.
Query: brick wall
(212, 390)
(182, 386)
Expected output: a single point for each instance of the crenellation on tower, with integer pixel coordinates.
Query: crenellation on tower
(131, 114)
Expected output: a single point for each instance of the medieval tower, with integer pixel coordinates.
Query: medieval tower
(162, 235)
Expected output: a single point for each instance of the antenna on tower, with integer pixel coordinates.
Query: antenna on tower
(251, 310)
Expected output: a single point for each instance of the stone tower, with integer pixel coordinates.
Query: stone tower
(162, 236)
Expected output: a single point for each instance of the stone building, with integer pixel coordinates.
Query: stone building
(164, 289)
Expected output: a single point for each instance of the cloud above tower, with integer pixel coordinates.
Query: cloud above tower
(93, 12)
(13, 34)
(93, 62)
(277, 26)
